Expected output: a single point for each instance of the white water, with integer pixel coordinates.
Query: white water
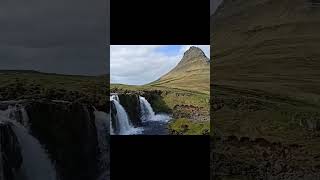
(36, 164)
(25, 118)
(125, 128)
(101, 122)
(148, 114)
(115, 97)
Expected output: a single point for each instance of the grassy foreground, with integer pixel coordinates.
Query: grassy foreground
(34, 85)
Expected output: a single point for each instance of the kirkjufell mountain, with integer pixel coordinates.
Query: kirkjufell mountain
(266, 89)
(191, 73)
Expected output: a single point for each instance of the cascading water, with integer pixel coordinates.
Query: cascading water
(25, 118)
(101, 122)
(146, 110)
(36, 165)
(124, 125)
(147, 113)
(115, 97)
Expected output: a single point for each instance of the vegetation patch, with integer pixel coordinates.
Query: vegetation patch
(184, 126)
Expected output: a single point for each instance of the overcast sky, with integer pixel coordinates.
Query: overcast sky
(59, 36)
(138, 65)
(214, 5)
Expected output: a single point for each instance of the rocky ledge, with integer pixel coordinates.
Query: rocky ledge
(260, 159)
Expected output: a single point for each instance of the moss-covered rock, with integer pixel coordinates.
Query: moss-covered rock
(156, 100)
(131, 104)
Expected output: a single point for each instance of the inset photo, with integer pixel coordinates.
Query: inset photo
(160, 89)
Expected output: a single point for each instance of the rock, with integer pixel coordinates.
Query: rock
(10, 152)
(260, 159)
(68, 132)
(184, 127)
(114, 119)
(131, 104)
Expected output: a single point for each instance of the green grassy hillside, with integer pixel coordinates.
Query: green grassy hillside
(266, 63)
(191, 73)
(266, 86)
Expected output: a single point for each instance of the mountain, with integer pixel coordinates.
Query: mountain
(270, 45)
(266, 88)
(191, 73)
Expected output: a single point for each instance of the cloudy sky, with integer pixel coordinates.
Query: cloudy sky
(137, 65)
(214, 5)
(59, 36)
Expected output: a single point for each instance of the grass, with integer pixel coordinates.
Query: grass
(265, 75)
(33, 85)
(185, 127)
(265, 68)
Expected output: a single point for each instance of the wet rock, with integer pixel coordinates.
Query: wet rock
(68, 132)
(131, 104)
(10, 152)
(114, 118)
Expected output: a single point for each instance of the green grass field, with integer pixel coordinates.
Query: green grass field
(32, 85)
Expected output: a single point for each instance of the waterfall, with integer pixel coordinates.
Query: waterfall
(111, 127)
(115, 97)
(147, 113)
(146, 110)
(25, 118)
(125, 128)
(36, 165)
(101, 121)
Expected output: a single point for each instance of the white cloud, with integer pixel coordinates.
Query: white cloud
(137, 64)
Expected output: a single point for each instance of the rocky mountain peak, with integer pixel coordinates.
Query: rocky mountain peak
(192, 53)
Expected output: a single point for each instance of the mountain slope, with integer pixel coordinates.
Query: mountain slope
(268, 45)
(191, 73)
(266, 88)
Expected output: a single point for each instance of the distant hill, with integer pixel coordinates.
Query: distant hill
(18, 71)
(191, 73)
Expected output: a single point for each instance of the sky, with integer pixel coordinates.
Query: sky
(214, 5)
(55, 36)
(142, 64)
